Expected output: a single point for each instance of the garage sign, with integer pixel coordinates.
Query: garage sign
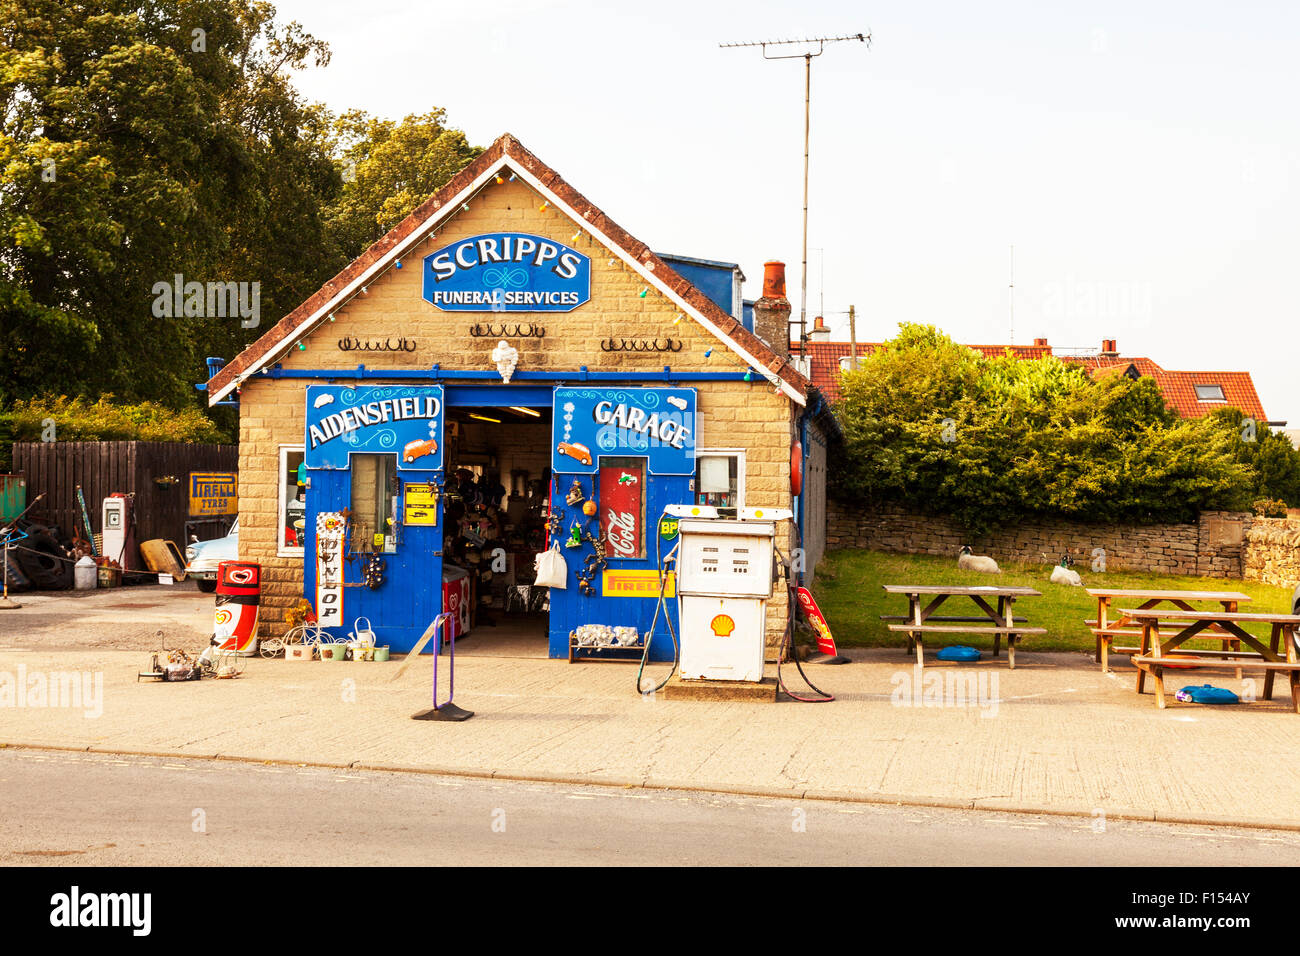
(657, 424)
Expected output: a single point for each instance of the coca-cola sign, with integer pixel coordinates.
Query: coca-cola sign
(622, 509)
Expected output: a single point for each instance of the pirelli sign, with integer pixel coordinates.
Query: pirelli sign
(213, 494)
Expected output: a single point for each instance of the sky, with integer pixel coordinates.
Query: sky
(1140, 157)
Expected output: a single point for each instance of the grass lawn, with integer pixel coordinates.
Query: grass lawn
(848, 589)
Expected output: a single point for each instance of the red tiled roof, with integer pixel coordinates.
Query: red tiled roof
(301, 320)
(1178, 387)
(825, 359)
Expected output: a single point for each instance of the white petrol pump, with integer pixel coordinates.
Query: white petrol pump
(726, 573)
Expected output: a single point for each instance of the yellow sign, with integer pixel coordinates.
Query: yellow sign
(636, 584)
(421, 504)
(213, 494)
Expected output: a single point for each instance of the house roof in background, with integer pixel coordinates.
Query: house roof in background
(825, 359)
(1178, 387)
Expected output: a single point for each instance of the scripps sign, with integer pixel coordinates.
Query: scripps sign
(507, 272)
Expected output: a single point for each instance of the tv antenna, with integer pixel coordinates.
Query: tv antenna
(1012, 295)
(807, 98)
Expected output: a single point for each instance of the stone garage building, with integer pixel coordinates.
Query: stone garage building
(396, 460)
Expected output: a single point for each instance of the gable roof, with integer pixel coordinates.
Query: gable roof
(506, 153)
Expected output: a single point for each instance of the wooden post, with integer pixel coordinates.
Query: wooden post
(853, 340)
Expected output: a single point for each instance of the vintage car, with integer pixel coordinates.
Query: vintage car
(202, 558)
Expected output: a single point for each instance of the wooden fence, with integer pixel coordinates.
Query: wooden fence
(104, 467)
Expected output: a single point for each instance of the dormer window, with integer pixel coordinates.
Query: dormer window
(1209, 393)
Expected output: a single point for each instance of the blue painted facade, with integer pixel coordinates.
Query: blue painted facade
(720, 281)
(412, 593)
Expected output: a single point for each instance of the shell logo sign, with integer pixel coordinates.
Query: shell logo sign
(722, 625)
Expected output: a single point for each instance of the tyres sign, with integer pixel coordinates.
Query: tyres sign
(213, 494)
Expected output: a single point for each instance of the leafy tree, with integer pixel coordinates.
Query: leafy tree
(389, 169)
(141, 141)
(1273, 461)
(939, 427)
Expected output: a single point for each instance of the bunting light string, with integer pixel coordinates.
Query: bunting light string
(750, 371)
(432, 235)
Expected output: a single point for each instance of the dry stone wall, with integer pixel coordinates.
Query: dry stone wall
(1273, 552)
(1215, 546)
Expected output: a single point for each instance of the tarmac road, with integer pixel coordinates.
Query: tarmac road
(109, 810)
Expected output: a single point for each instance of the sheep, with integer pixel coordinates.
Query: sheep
(976, 562)
(1062, 574)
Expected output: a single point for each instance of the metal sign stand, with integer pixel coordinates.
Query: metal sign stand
(11, 532)
(446, 710)
(6, 604)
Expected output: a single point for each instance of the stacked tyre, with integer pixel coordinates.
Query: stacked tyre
(43, 560)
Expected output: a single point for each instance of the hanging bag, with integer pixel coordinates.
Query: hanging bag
(552, 571)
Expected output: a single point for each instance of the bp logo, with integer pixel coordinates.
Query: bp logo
(668, 528)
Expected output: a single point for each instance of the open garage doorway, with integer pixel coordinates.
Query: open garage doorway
(498, 478)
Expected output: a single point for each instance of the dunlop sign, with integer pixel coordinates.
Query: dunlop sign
(213, 494)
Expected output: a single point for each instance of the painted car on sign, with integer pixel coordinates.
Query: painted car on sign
(579, 452)
(418, 449)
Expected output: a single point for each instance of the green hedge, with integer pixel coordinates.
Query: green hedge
(939, 427)
(79, 419)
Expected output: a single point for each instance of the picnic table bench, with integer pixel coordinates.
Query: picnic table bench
(1159, 652)
(917, 620)
(1105, 630)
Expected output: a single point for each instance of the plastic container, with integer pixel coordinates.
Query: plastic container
(85, 576)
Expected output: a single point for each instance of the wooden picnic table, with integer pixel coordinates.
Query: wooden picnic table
(1157, 651)
(1104, 629)
(1003, 621)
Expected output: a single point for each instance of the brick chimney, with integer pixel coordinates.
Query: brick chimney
(819, 332)
(1108, 347)
(772, 311)
(1040, 343)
